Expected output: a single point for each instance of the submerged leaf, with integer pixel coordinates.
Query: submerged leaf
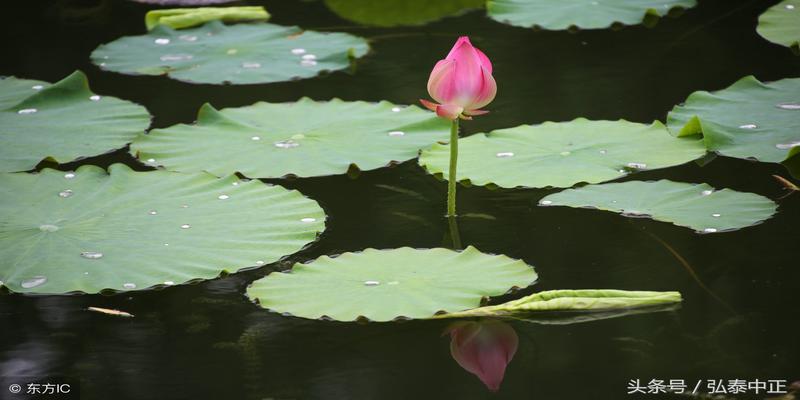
(62, 122)
(584, 14)
(749, 119)
(561, 154)
(236, 54)
(179, 18)
(572, 300)
(780, 24)
(696, 206)
(303, 138)
(90, 231)
(382, 285)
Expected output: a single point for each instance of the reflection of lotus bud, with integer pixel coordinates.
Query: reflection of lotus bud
(483, 348)
(462, 82)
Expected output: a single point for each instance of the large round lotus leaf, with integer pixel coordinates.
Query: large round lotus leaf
(62, 122)
(382, 285)
(238, 54)
(399, 12)
(584, 14)
(561, 154)
(749, 119)
(696, 206)
(781, 24)
(90, 231)
(304, 138)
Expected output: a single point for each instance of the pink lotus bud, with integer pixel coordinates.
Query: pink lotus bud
(484, 349)
(462, 83)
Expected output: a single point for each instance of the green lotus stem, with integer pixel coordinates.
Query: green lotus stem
(572, 300)
(451, 181)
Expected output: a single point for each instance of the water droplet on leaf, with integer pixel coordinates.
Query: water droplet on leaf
(636, 165)
(162, 41)
(92, 255)
(65, 193)
(34, 282)
(298, 51)
(48, 228)
(789, 106)
(27, 111)
(308, 219)
(176, 57)
(94, 97)
(397, 133)
(129, 285)
(286, 144)
(504, 154)
(787, 146)
(371, 283)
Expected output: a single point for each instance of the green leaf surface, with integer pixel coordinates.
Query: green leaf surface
(15, 90)
(561, 154)
(383, 285)
(584, 14)
(695, 206)
(236, 54)
(572, 300)
(749, 119)
(399, 12)
(780, 24)
(179, 18)
(303, 138)
(91, 231)
(62, 122)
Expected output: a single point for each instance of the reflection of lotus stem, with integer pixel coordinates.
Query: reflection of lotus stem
(455, 236)
(451, 181)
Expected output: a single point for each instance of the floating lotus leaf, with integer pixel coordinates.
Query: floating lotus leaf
(781, 24)
(382, 285)
(179, 18)
(561, 154)
(695, 206)
(399, 12)
(89, 231)
(61, 122)
(572, 300)
(749, 119)
(237, 54)
(304, 138)
(584, 14)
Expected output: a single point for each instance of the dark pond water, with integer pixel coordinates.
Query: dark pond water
(739, 319)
